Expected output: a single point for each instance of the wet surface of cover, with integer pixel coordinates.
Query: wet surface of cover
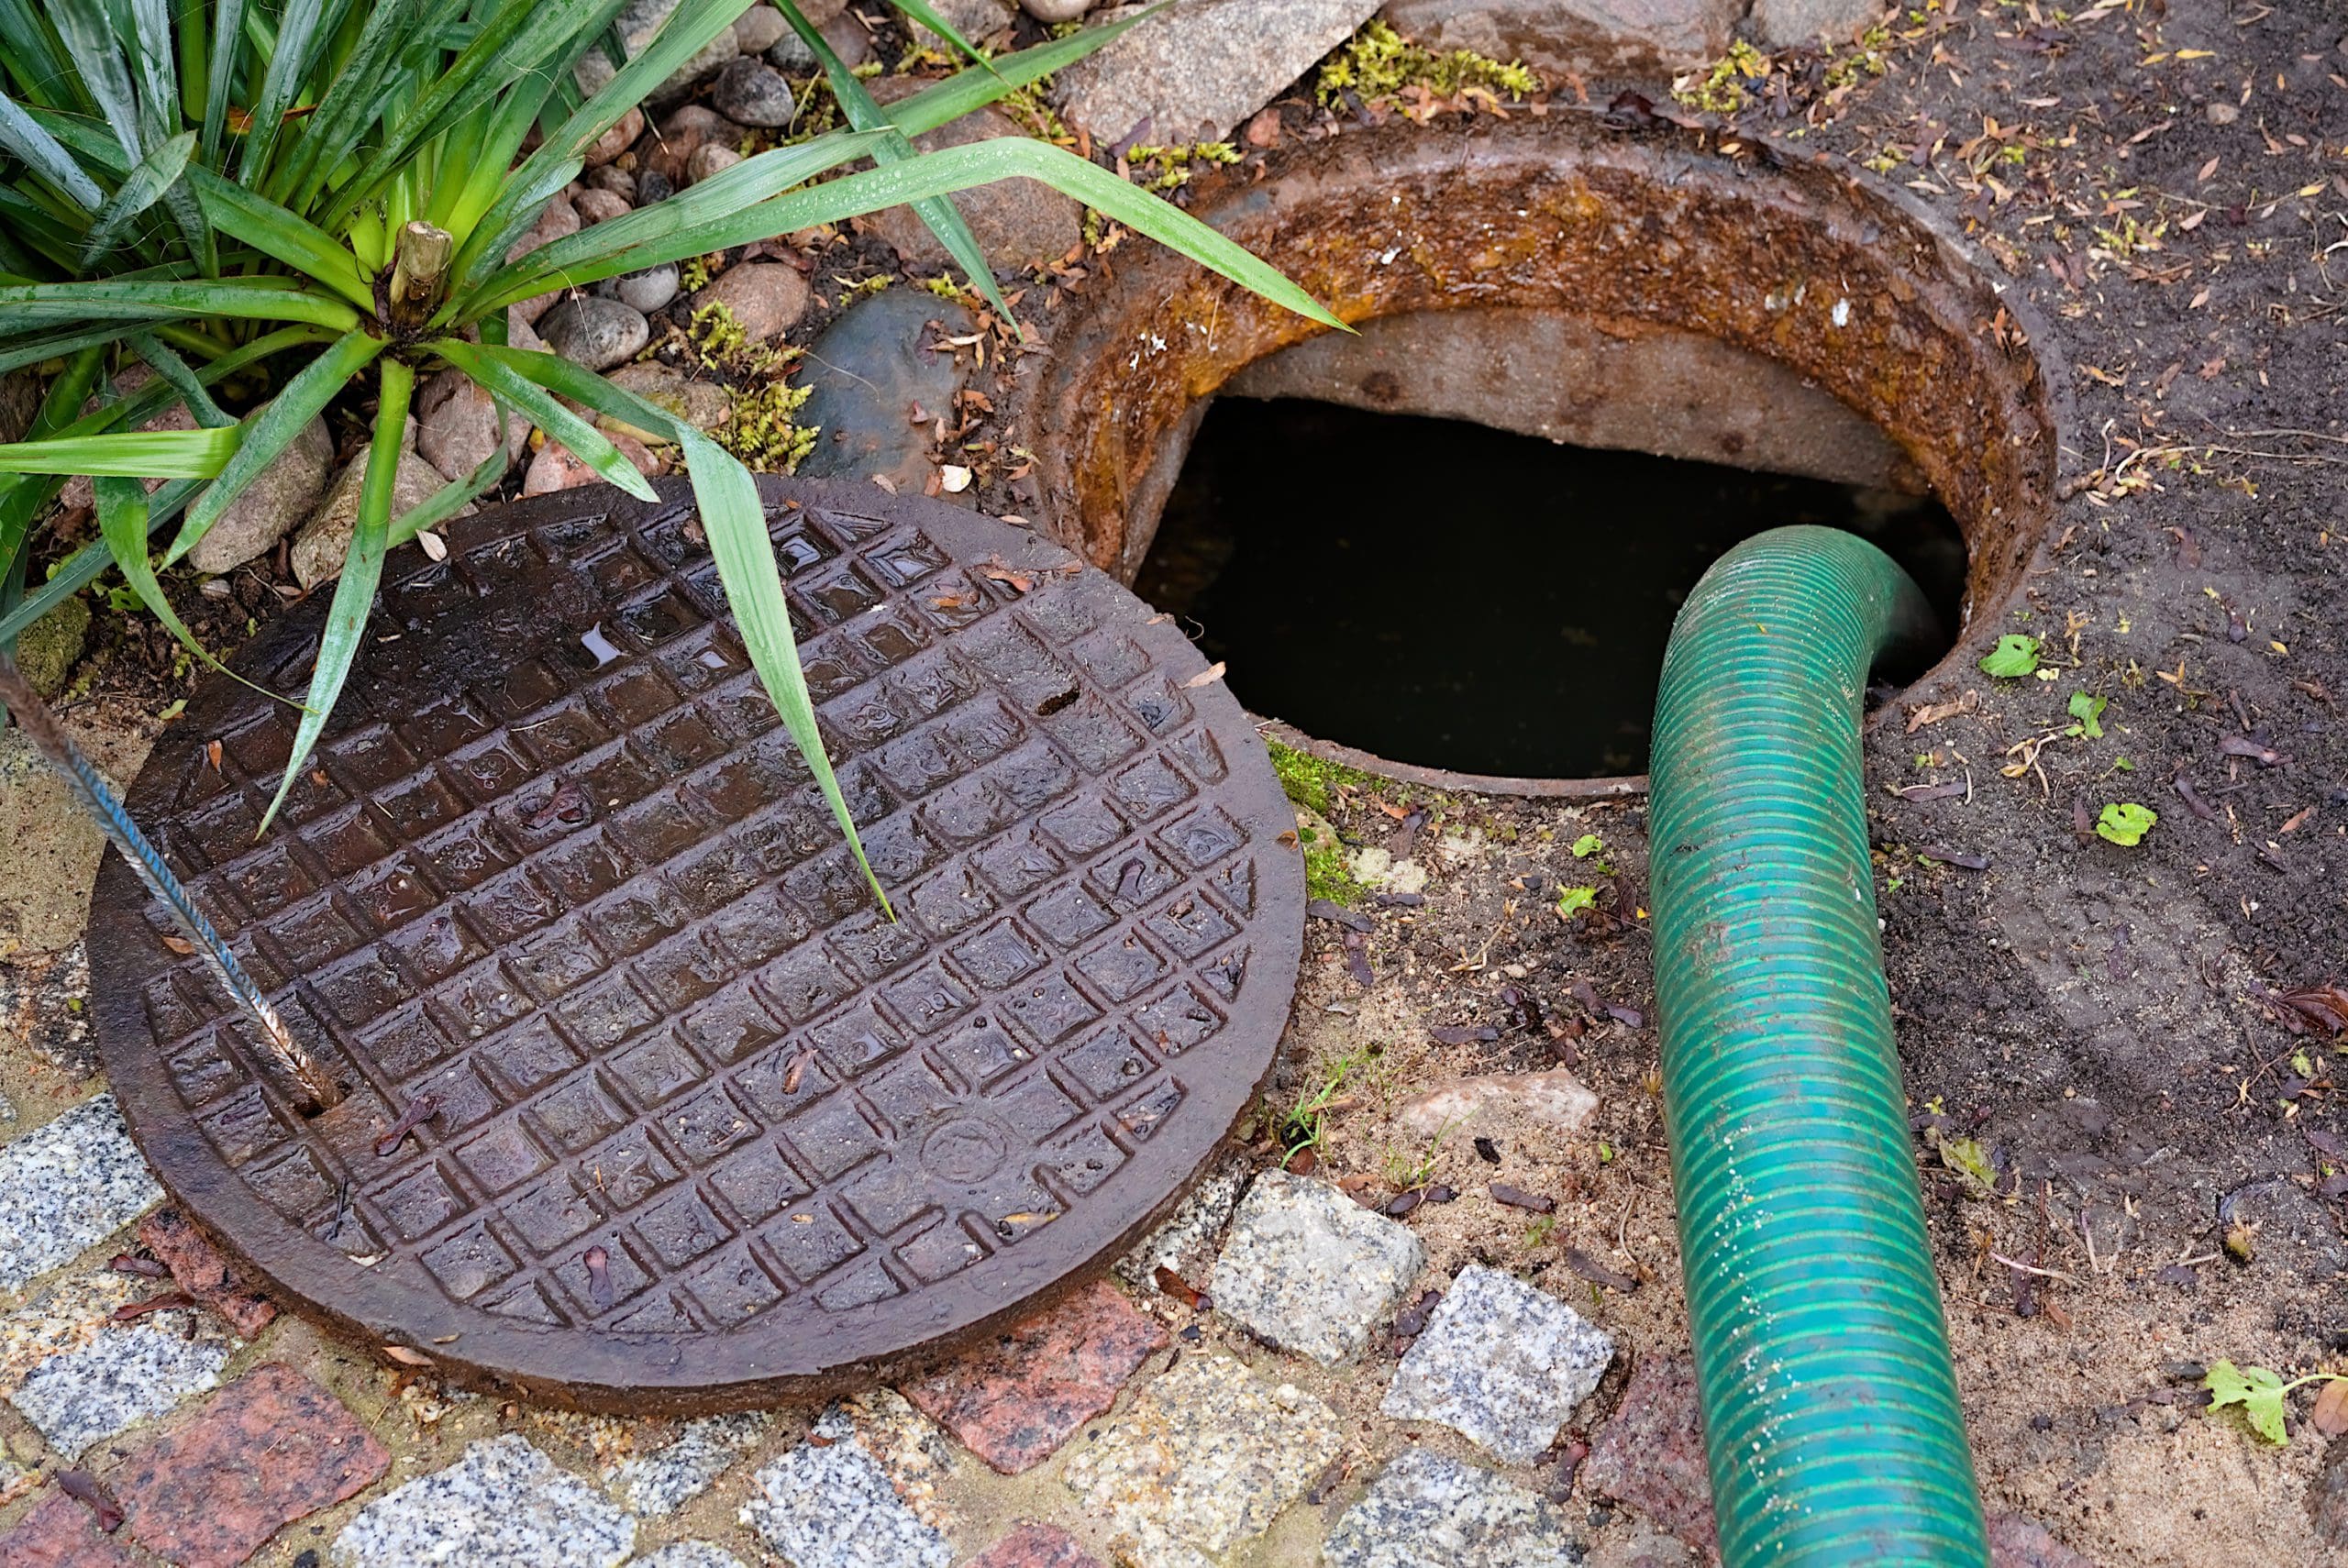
(702, 1127)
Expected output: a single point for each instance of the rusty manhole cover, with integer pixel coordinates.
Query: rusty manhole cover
(708, 1129)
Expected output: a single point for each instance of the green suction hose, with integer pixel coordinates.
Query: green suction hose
(1831, 1413)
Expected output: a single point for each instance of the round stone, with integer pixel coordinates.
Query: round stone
(648, 1106)
(752, 93)
(595, 332)
(649, 290)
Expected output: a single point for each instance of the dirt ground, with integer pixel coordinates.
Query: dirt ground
(2168, 183)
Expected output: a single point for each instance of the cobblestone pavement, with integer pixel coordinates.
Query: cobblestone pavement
(159, 1410)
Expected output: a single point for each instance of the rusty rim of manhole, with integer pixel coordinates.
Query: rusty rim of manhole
(709, 1130)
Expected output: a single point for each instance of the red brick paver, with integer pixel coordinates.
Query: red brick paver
(1651, 1454)
(200, 1270)
(1017, 1399)
(60, 1533)
(1034, 1546)
(262, 1452)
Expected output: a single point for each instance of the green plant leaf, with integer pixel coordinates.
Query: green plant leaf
(362, 569)
(261, 299)
(272, 428)
(967, 90)
(138, 192)
(227, 23)
(172, 371)
(937, 213)
(1969, 1159)
(2258, 1391)
(931, 175)
(2125, 822)
(736, 524)
(282, 237)
(735, 521)
(22, 138)
(927, 15)
(519, 36)
(2014, 656)
(2088, 710)
(100, 68)
(1586, 845)
(289, 61)
(646, 237)
(122, 523)
(586, 443)
(137, 453)
(1571, 901)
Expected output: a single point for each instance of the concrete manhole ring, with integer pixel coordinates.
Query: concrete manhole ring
(709, 1130)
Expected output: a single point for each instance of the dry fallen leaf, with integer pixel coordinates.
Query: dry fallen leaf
(2331, 1412)
(432, 545)
(408, 1357)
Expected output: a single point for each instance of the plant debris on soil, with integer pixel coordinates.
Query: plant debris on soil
(2124, 1060)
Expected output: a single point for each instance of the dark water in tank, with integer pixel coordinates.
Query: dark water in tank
(1443, 593)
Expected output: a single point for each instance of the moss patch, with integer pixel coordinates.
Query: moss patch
(1379, 63)
(762, 428)
(1328, 870)
(1312, 782)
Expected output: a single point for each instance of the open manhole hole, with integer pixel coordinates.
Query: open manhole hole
(704, 1129)
(1590, 359)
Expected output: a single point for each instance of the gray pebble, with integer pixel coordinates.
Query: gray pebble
(596, 332)
(752, 93)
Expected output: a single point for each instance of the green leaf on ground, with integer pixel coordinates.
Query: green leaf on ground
(2125, 822)
(2258, 1391)
(2088, 710)
(1571, 901)
(1969, 1159)
(1586, 845)
(2014, 656)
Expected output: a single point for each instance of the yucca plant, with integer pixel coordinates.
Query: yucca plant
(309, 194)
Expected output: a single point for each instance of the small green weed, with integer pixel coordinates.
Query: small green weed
(2015, 656)
(2263, 1395)
(2125, 824)
(1379, 64)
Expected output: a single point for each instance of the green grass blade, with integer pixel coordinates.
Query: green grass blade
(686, 32)
(648, 230)
(937, 213)
(172, 371)
(968, 90)
(36, 351)
(139, 454)
(99, 66)
(282, 237)
(736, 525)
(122, 523)
(275, 427)
(362, 569)
(524, 34)
(22, 138)
(586, 443)
(927, 15)
(355, 102)
(227, 25)
(297, 27)
(32, 55)
(148, 181)
(152, 58)
(937, 174)
(454, 496)
(23, 496)
(261, 299)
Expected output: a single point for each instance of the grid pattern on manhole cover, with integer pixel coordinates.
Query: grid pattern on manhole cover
(708, 1127)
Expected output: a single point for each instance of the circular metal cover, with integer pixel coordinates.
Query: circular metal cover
(708, 1129)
